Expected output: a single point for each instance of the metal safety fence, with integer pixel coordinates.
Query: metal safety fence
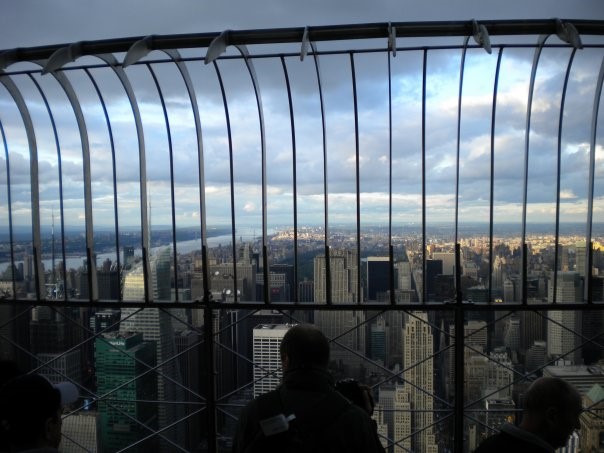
(422, 192)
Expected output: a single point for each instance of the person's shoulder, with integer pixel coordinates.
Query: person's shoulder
(493, 444)
(505, 441)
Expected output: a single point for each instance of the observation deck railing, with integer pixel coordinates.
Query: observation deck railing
(475, 141)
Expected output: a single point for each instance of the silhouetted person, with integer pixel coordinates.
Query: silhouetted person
(8, 371)
(551, 414)
(30, 413)
(305, 413)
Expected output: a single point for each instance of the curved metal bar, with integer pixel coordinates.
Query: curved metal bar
(292, 123)
(10, 210)
(325, 181)
(232, 176)
(170, 152)
(137, 51)
(391, 53)
(527, 133)
(423, 150)
(77, 110)
(60, 172)
(184, 72)
(145, 241)
(558, 168)
(357, 173)
(35, 188)
(462, 67)
(252, 72)
(592, 170)
(492, 197)
(114, 174)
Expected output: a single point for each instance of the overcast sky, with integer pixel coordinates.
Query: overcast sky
(25, 23)
(30, 23)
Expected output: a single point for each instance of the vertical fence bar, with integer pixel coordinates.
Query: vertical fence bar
(232, 177)
(459, 97)
(492, 187)
(390, 246)
(145, 243)
(558, 170)
(357, 174)
(35, 188)
(527, 133)
(424, 273)
(60, 172)
(175, 55)
(114, 174)
(325, 181)
(459, 357)
(172, 196)
(209, 344)
(592, 170)
(252, 72)
(65, 84)
(10, 211)
(292, 124)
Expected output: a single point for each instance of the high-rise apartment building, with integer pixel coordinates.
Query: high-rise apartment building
(267, 359)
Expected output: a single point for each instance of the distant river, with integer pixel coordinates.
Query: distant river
(181, 247)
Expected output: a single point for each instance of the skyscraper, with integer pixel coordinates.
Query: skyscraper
(348, 349)
(267, 359)
(564, 327)
(121, 360)
(378, 276)
(157, 325)
(419, 380)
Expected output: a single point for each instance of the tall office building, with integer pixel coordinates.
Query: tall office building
(267, 359)
(564, 327)
(378, 276)
(581, 259)
(105, 320)
(345, 326)
(403, 275)
(434, 268)
(419, 379)
(121, 361)
(287, 270)
(402, 420)
(157, 325)
(448, 260)
(377, 340)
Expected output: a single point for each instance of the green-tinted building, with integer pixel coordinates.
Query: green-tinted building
(120, 358)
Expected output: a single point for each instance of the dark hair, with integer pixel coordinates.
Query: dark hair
(26, 402)
(305, 347)
(549, 392)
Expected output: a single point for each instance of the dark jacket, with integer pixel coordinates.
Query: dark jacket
(349, 429)
(514, 439)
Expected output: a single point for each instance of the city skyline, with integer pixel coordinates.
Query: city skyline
(365, 206)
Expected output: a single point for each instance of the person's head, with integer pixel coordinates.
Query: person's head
(304, 346)
(30, 411)
(551, 410)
